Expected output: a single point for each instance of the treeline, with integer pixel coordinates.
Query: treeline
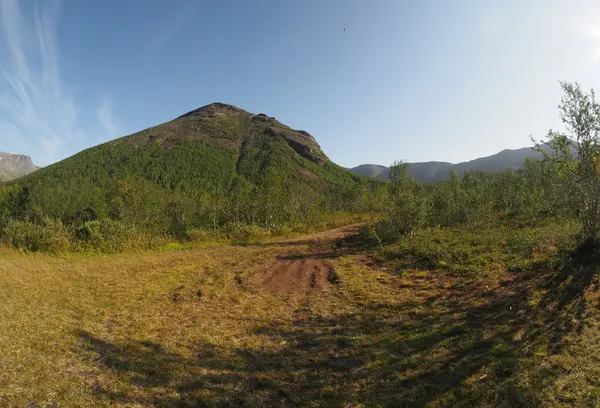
(135, 212)
(566, 183)
(475, 198)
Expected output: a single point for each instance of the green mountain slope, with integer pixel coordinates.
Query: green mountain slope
(216, 165)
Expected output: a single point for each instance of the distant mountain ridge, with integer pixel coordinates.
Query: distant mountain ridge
(430, 172)
(13, 166)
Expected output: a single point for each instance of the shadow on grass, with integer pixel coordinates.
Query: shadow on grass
(461, 347)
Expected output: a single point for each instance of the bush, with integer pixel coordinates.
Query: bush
(110, 236)
(282, 231)
(248, 233)
(49, 236)
(410, 204)
(203, 235)
(456, 251)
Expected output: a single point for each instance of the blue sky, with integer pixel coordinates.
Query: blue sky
(412, 80)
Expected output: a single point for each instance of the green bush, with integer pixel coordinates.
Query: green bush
(48, 236)
(110, 236)
(456, 251)
(409, 202)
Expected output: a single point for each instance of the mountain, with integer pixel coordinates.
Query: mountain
(217, 141)
(214, 165)
(13, 166)
(434, 171)
(372, 170)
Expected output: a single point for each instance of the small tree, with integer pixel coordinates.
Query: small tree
(580, 113)
(409, 203)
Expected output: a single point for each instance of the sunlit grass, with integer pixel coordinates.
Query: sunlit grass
(194, 328)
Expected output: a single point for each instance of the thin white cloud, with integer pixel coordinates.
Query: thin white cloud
(107, 118)
(34, 107)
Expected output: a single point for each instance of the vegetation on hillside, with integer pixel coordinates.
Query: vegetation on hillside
(217, 169)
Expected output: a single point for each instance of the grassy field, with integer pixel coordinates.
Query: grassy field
(491, 317)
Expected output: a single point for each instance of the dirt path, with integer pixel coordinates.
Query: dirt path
(305, 267)
(327, 237)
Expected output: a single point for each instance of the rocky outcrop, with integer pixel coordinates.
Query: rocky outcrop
(15, 165)
(261, 117)
(302, 143)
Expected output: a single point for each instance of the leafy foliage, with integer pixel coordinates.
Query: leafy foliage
(580, 113)
(409, 206)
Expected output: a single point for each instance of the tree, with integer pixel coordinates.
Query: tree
(177, 220)
(409, 202)
(580, 113)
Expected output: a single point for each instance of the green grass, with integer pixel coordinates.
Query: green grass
(481, 251)
(441, 320)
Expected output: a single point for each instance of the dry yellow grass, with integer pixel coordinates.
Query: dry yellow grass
(51, 305)
(128, 329)
(196, 328)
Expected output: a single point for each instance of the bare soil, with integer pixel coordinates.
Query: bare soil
(303, 270)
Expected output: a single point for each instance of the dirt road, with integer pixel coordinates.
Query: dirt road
(305, 266)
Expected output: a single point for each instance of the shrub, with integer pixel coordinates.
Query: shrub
(48, 236)
(248, 233)
(205, 235)
(409, 202)
(110, 236)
